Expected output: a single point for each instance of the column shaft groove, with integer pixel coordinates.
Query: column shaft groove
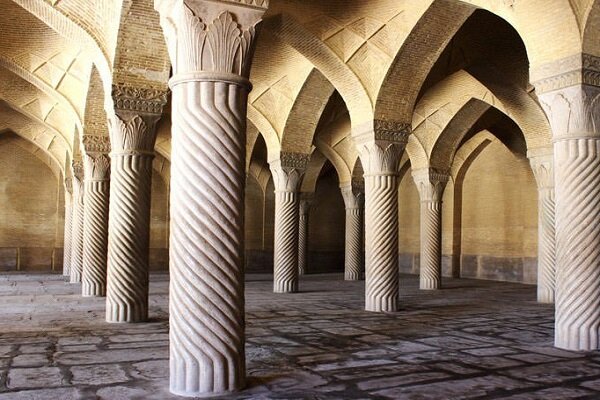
(77, 231)
(353, 247)
(381, 234)
(207, 251)
(285, 272)
(577, 165)
(95, 238)
(129, 229)
(431, 245)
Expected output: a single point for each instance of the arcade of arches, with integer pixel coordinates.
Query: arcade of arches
(300, 198)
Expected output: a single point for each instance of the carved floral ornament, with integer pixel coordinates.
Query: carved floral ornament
(288, 171)
(573, 111)
(353, 199)
(139, 100)
(77, 169)
(133, 135)
(430, 183)
(224, 45)
(69, 185)
(581, 69)
(97, 167)
(543, 171)
(96, 144)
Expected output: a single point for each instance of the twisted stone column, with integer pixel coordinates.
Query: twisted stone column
(380, 155)
(77, 230)
(431, 184)
(542, 167)
(68, 227)
(287, 176)
(574, 113)
(305, 203)
(132, 136)
(354, 203)
(95, 232)
(210, 45)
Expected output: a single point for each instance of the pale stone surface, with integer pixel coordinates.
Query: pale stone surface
(380, 160)
(287, 176)
(210, 46)
(76, 267)
(431, 184)
(95, 226)
(354, 204)
(132, 136)
(68, 227)
(543, 170)
(575, 118)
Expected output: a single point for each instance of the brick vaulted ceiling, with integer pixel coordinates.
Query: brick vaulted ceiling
(321, 68)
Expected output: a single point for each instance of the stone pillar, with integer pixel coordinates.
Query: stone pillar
(132, 137)
(77, 230)
(353, 195)
(287, 176)
(574, 114)
(431, 184)
(380, 154)
(306, 200)
(68, 227)
(542, 166)
(95, 225)
(210, 44)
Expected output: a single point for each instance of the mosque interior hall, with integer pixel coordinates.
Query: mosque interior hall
(299, 199)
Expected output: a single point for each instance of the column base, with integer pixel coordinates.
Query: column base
(285, 287)
(584, 339)
(351, 277)
(427, 285)
(120, 316)
(204, 395)
(381, 305)
(545, 297)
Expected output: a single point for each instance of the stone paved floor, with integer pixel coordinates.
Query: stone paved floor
(472, 340)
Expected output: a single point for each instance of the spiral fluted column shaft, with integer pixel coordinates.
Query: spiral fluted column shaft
(546, 246)
(77, 231)
(381, 236)
(302, 242)
(207, 231)
(285, 266)
(68, 234)
(431, 245)
(129, 229)
(95, 236)
(577, 166)
(353, 246)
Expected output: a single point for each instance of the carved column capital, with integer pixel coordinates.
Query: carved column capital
(543, 170)
(306, 202)
(288, 171)
(135, 135)
(97, 167)
(210, 36)
(430, 184)
(136, 112)
(78, 169)
(69, 185)
(573, 112)
(354, 198)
